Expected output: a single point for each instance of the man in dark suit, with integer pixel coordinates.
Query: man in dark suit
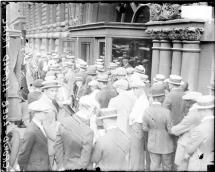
(173, 100)
(34, 152)
(111, 151)
(74, 142)
(106, 92)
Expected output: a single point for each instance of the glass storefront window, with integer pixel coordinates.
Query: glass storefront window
(138, 51)
(101, 49)
(69, 46)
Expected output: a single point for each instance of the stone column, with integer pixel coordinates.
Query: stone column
(56, 45)
(176, 57)
(190, 63)
(155, 58)
(165, 58)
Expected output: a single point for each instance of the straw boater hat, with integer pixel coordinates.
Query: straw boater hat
(100, 68)
(50, 75)
(91, 70)
(175, 79)
(38, 106)
(139, 69)
(102, 78)
(93, 83)
(37, 83)
(136, 82)
(157, 90)
(112, 66)
(121, 71)
(192, 95)
(121, 84)
(130, 70)
(205, 102)
(108, 113)
(50, 84)
(159, 77)
(83, 65)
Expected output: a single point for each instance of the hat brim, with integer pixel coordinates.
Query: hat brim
(175, 83)
(204, 107)
(107, 116)
(51, 86)
(158, 95)
(100, 80)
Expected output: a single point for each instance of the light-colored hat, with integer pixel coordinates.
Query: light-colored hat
(38, 106)
(108, 113)
(192, 95)
(68, 64)
(102, 78)
(136, 82)
(118, 63)
(37, 83)
(157, 90)
(121, 71)
(50, 84)
(68, 56)
(122, 84)
(93, 83)
(91, 70)
(159, 77)
(175, 79)
(144, 77)
(83, 65)
(205, 102)
(130, 70)
(112, 65)
(99, 60)
(100, 68)
(50, 75)
(139, 69)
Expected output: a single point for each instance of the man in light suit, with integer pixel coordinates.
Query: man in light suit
(123, 103)
(200, 147)
(34, 154)
(74, 142)
(183, 129)
(157, 122)
(111, 151)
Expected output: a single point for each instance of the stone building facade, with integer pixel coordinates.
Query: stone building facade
(167, 43)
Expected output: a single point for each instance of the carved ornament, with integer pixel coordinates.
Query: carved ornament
(164, 12)
(187, 33)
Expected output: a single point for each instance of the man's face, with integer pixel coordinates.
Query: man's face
(51, 92)
(124, 62)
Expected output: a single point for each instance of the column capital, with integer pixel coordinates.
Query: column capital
(178, 33)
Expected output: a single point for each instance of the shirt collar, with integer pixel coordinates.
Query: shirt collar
(39, 124)
(207, 118)
(156, 103)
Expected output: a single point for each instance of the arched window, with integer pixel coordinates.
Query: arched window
(142, 14)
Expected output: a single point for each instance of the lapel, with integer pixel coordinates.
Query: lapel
(39, 133)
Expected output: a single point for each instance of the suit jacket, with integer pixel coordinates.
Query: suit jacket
(157, 122)
(34, 152)
(123, 103)
(175, 104)
(34, 96)
(104, 96)
(190, 121)
(201, 144)
(73, 144)
(111, 151)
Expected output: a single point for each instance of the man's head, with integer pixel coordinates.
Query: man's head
(36, 85)
(124, 61)
(205, 105)
(137, 85)
(174, 81)
(158, 92)
(102, 80)
(94, 85)
(50, 88)
(108, 117)
(190, 98)
(121, 85)
(39, 110)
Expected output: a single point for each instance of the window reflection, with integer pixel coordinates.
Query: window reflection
(137, 51)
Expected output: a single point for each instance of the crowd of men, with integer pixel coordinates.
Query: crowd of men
(83, 116)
